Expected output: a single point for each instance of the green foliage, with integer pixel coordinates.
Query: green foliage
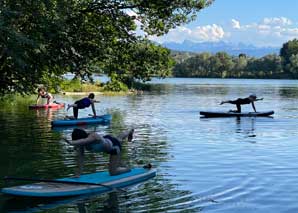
(138, 62)
(288, 54)
(292, 66)
(13, 100)
(115, 85)
(75, 85)
(221, 65)
(44, 39)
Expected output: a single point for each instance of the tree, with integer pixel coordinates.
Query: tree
(139, 62)
(292, 66)
(288, 49)
(222, 64)
(240, 64)
(43, 39)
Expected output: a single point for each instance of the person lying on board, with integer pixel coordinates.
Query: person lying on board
(83, 103)
(43, 94)
(241, 101)
(95, 142)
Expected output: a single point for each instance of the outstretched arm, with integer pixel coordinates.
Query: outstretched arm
(38, 96)
(253, 106)
(50, 98)
(93, 109)
(259, 99)
(80, 161)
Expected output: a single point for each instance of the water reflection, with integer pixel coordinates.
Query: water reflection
(246, 126)
(221, 164)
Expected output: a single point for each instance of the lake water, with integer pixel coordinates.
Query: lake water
(209, 165)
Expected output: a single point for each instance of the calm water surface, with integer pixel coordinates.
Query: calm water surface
(209, 165)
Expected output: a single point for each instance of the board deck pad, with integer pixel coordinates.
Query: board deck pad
(235, 114)
(102, 119)
(49, 189)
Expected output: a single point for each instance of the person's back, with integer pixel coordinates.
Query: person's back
(83, 103)
(94, 142)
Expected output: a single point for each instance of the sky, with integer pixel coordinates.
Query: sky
(262, 23)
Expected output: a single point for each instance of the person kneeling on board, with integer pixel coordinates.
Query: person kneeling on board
(83, 103)
(241, 101)
(95, 142)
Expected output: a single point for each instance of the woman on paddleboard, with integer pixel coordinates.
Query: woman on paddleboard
(241, 101)
(43, 94)
(95, 142)
(83, 103)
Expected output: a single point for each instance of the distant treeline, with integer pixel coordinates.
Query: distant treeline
(222, 65)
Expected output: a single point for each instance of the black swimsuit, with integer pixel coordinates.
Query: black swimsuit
(45, 95)
(98, 147)
(241, 101)
(115, 143)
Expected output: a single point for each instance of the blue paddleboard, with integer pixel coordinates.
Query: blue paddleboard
(83, 121)
(63, 189)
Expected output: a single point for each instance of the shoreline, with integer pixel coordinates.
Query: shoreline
(81, 93)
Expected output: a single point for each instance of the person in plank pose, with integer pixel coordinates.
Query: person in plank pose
(241, 101)
(95, 142)
(43, 94)
(83, 103)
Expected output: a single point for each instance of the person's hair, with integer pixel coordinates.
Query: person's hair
(91, 95)
(252, 96)
(78, 134)
(40, 89)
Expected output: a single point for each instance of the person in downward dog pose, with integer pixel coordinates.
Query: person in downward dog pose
(95, 142)
(83, 103)
(241, 101)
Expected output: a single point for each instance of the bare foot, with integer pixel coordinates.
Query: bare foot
(130, 135)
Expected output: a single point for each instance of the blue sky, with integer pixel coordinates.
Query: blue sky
(256, 22)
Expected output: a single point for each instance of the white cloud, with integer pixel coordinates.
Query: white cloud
(199, 34)
(263, 27)
(208, 33)
(235, 24)
(281, 21)
(267, 32)
(291, 32)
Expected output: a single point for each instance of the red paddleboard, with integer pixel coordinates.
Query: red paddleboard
(47, 106)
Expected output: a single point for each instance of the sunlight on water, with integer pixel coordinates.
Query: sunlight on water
(215, 164)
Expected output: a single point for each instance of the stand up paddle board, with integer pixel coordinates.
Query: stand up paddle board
(235, 114)
(98, 182)
(83, 121)
(47, 106)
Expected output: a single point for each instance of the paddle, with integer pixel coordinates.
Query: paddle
(63, 181)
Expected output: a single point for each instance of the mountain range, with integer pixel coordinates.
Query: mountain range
(214, 47)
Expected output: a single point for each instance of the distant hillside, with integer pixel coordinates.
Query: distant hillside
(214, 47)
